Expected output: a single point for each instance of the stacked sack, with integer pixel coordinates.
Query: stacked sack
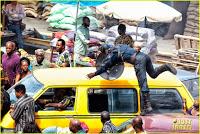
(63, 16)
(45, 12)
(144, 35)
(191, 27)
(31, 8)
(37, 9)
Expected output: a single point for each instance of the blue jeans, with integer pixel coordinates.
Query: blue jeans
(16, 29)
(142, 66)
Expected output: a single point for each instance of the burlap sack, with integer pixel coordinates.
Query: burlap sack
(31, 13)
(30, 9)
(192, 23)
(24, 2)
(187, 29)
(192, 13)
(31, 6)
(45, 18)
(47, 9)
(191, 27)
(46, 14)
(192, 17)
(191, 31)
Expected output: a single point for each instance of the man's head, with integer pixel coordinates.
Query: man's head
(10, 46)
(86, 21)
(75, 125)
(105, 116)
(138, 46)
(60, 46)
(20, 90)
(24, 64)
(60, 93)
(121, 29)
(137, 124)
(39, 54)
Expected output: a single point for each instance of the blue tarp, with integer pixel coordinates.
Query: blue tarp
(82, 3)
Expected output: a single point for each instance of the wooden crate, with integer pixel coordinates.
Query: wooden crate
(37, 41)
(188, 54)
(177, 62)
(185, 42)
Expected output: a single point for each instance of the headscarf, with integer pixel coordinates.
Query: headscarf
(39, 52)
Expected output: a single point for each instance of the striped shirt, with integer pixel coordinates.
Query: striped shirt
(108, 127)
(23, 113)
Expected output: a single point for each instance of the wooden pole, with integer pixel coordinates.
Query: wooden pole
(78, 4)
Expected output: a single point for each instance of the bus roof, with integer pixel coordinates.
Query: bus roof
(77, 76)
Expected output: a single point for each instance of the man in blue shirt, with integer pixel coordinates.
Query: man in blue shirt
(142, 64)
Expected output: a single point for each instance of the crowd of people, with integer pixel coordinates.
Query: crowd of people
(16, 67)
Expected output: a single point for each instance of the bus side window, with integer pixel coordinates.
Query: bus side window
(63, 96)
(165, 101)
(114, 100)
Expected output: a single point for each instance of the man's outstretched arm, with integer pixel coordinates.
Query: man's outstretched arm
(108, 63)
(99, 71)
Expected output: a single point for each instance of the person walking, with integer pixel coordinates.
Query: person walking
(23, 110)
(108, 126)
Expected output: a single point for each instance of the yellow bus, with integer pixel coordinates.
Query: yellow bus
(120, 97)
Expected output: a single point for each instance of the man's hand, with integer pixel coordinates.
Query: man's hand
(90, 75)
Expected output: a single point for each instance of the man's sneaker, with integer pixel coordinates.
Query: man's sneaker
(171, 69)
(147, 109)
